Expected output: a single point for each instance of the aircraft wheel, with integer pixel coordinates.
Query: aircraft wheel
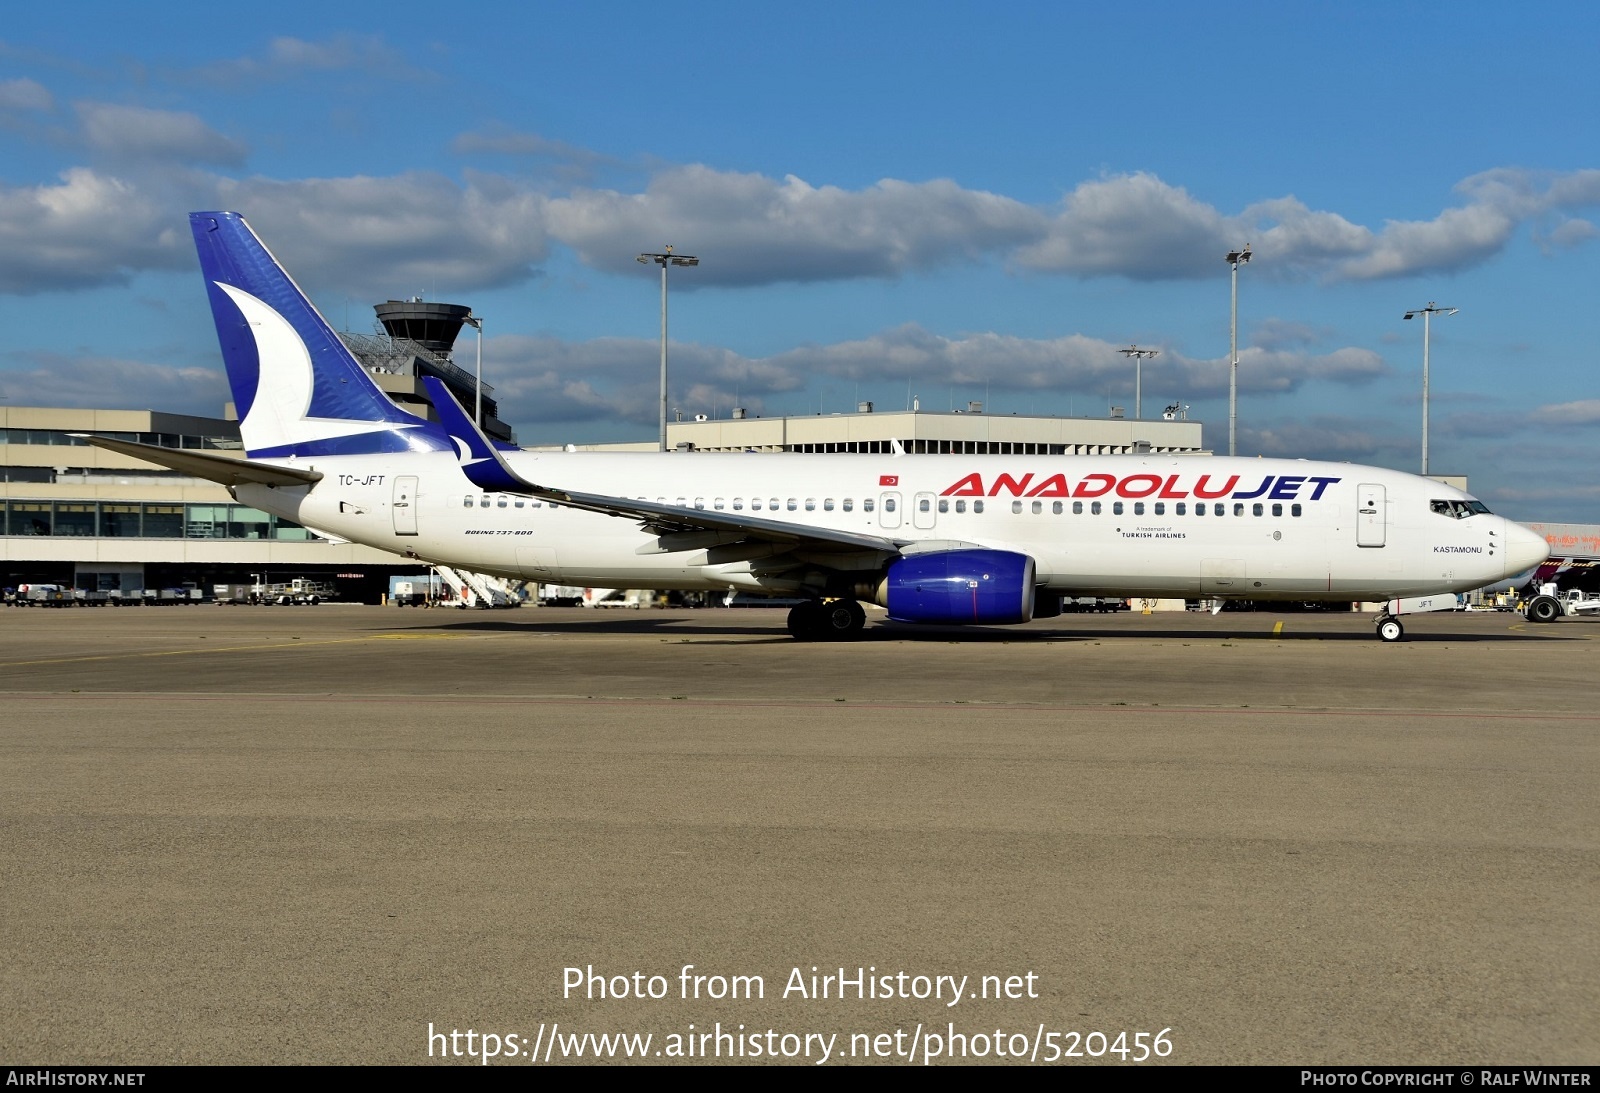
(805, 621)
(1391, 630)
(842, 620)
(1544, 609)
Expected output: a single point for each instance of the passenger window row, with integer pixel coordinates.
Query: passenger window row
(959, 505)
(770, 504)
(1157, 508)
(719, 504)
(484, 500)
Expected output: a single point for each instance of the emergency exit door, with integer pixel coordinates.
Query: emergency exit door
(889, 510)
(1372, 514)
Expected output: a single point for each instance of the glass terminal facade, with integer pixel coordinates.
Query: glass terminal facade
(145, 520)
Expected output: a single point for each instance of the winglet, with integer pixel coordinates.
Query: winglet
(480, 460)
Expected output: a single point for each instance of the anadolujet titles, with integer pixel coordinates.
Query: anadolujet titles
(930, 538)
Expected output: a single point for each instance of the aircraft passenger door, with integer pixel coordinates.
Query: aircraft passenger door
(922, 514)
(405, 505)
(1371, 515)
(889, 510)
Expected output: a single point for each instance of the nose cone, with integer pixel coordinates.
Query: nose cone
(1524, 549)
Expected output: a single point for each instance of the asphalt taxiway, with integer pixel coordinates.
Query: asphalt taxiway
(306, 834)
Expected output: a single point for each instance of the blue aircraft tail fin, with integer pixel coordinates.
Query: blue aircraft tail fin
(297, 388)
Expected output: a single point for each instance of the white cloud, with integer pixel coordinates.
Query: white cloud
(1455, 239)
(25, 94)
(91, 229)
(137, 132)
(1569, 233)
(1568, 414)
(340, 51)
(1281, 371)
(1140, 227)
(426, 232)
(1290, 240)
(369, 237)
(1070, 363)
(1134, 226)
(286, 57)
(1324, 437)
(1498, 201)
(1279, 333)
(544, 379)
(396, 235)
(1478, 425)
(757, 230)
(501, 140)
(617, 378)
(59, 379)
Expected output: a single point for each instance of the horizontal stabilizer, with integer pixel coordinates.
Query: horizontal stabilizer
(201, 464)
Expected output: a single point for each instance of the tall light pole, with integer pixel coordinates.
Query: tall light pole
(1139, 357)
(665, 259)
(1427, 314)
(477, 398)
(1235, 259)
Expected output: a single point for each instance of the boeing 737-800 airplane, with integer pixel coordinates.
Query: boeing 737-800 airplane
(931, 538)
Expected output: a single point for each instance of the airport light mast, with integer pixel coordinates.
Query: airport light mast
(477, 396)
(665, 259)
(1139, 357)
(1235, 259)
(1427, 314)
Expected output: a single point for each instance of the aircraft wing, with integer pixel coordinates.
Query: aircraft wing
(203, 464)
(678, 527)
(669, 521)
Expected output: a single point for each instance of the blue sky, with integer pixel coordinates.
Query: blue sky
(956, 201)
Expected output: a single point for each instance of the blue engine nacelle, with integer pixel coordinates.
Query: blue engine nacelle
(957, 586)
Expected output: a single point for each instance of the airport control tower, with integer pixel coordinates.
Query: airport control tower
(419, 339)
(434, 326)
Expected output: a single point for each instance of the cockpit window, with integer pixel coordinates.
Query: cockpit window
(1458, 510)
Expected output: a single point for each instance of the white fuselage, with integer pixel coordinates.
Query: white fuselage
(1116, 525)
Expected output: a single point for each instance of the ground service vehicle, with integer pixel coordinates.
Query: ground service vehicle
(1551, 604)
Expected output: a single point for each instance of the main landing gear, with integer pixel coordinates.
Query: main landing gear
(1389, 628)
(831, 620)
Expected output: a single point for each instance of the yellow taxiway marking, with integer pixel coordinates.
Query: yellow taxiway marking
(227, 649)
(1277, 628)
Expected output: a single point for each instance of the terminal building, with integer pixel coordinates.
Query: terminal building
(83, 517)
(80, 516)
(969, 432)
